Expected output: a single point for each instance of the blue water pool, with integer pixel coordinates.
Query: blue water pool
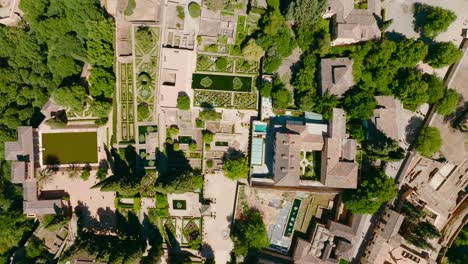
(260, 128)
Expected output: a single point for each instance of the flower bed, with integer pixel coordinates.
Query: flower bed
(245, 101)
(221, 82)
(191, 231)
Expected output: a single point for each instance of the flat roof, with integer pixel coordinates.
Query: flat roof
(257, 151)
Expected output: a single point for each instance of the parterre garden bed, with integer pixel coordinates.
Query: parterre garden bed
(221, 82)
(191, 231)
(126, 102)
(146, 63)
(226, 99)
(208, 63)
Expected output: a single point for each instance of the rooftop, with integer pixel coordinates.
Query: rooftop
(336, 75)
(387, 116)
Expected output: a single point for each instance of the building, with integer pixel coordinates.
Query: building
(351, 25)
(387, 117)
(10, 14)
(336, 75)
(304, 152)
(24, 163)
(332, 242)
(387, 246)
(177, 66)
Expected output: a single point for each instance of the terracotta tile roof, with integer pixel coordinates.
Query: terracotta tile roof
(336, 75)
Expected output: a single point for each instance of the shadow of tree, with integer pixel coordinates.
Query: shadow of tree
(413, 127)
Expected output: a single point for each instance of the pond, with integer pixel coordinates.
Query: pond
(69, 148)
(222, 82)
(179, 204)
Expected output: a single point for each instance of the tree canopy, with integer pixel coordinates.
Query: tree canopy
(183, 102)
(236, 168)
(359, 104)
(415, 229)
(432, 20)
(252, 52)
(375, 189)
(249, 233)
(442, 54)
(448, 103)
(384, 149)
(429, 141)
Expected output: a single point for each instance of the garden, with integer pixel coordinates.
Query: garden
(126, 204)
(191, 232)
(126, 102)
(179, 204)
(169, 231)
(227, 64)
(310, 165)
(161, 210)
(221, 82)
(144, 131)
(146, 62)
(226, 99)
(145, 159)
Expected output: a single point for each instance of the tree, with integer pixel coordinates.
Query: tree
(359, 104)
(236, 168)
(385, 149)
(207, 136)
(72, 97)
(443, 54)
(209, 114)
(214, 5)
(172, 131)
(409, 52)
(432, 20)
(185, 182)
(221, 64)
(252, 52)
(448, 103)
(429, 141)
(415, 229)
(102, 82)
(281, 98)
(435, 89)
(100, 109)
(265, 91)
(375, 189)
(249, 233)
(183, 102)
(194, 9)
(410, 88)
(306, 13)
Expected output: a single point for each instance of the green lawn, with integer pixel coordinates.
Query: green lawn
(69, 148)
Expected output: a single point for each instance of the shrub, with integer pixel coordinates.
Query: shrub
(180, 12)
(194, 9)
(199, 123)
(207, 136)
(206, 82)
(172, 131)
(85, 174)
(193, 146)
(209, 115)
(442, 54)
(265, 91)
(183, 102)
(131, 4)
(221, 64)
(101, 174)
(429, 141)
(236, 83)
(236, 168)
(210, 163)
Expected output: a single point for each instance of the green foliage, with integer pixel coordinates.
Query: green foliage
(143, 111)
(180, 12)
(73, 97)
(384, 149)
(14, 226)
(214, 5)
(101, 174)
(415, 229)
(194, 9)
(206, 82)
(359, 104)
(429, 141)
(276, 39)
(193, 146)
(266, 89)
(448, 103)
(252, 52)
(442, 54)
(100, 109)
(183, 102)
(209, 114)
(236, 168)
(435, 89)
(210, 163)
(221, 65)
(199, 123)
(304, 83)
(273, 3)
(207, 136)
(236, 83)
(432, 20)
(356, 129)
(101, 82)
(131, 4)
(249, 233)
(85, 173)
(306, 14)
(411, 88)
(184, 182)
(281, 96)
(172, 131)
(375, 189)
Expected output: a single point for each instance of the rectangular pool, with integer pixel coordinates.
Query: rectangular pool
(292, 218)
(69, 148)
(262, 128)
